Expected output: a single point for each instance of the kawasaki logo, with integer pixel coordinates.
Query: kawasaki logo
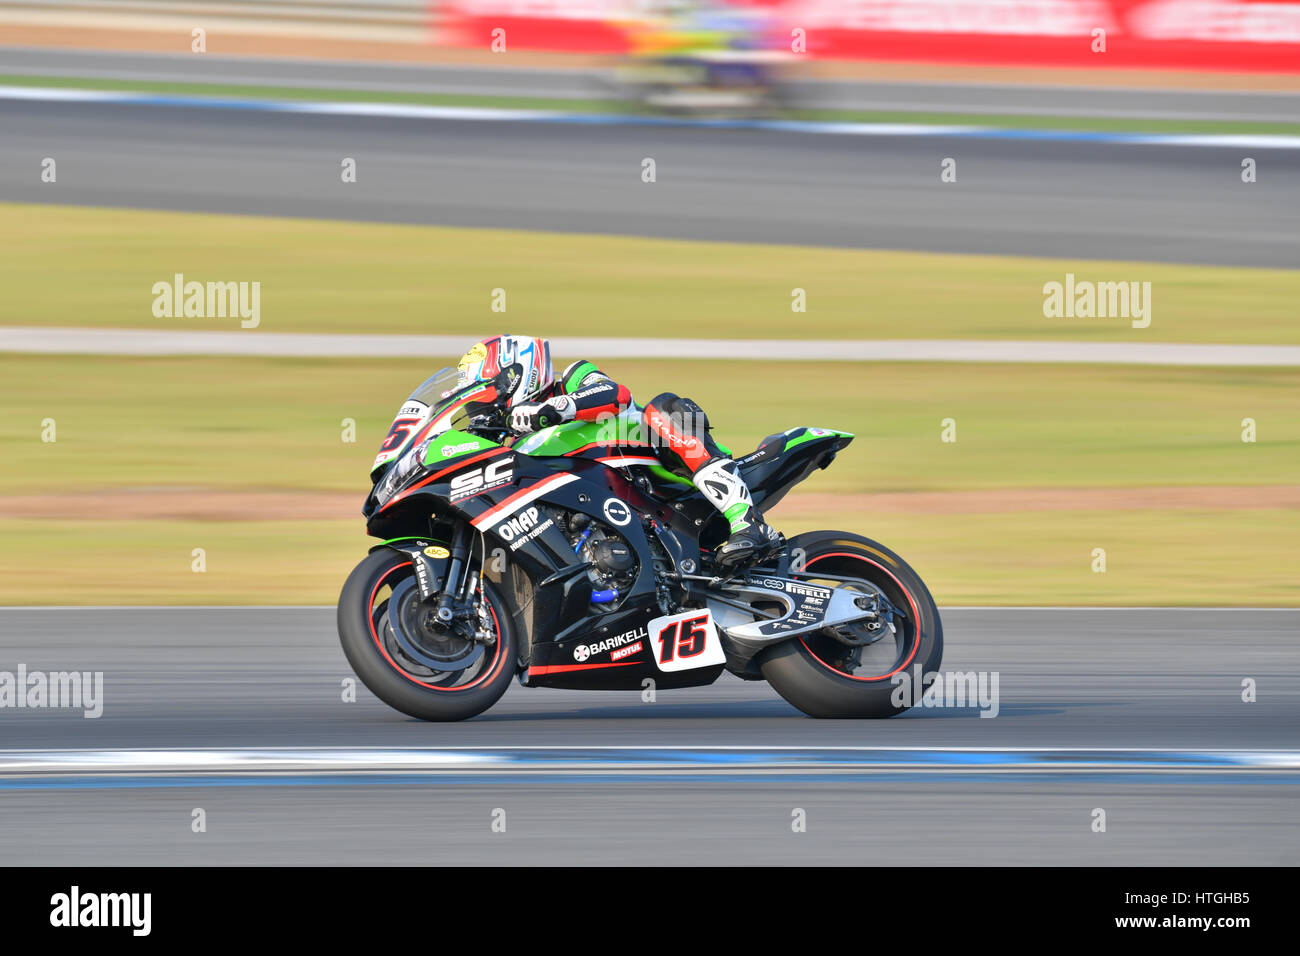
(449, 450)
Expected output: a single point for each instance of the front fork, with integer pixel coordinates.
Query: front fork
(450, 595)
(452, 605)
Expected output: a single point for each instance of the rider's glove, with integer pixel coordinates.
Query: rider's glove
(525, 419)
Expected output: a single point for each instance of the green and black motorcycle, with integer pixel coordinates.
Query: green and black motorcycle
(572, 558)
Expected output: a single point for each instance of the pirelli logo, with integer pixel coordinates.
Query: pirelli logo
(796, 588)
(806, 590)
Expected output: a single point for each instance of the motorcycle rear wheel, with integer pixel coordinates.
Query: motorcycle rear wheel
(818, 674)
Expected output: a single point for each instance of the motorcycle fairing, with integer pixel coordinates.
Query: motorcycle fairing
(620, 654)
(515, 498)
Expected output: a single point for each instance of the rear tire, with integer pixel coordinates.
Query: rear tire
(379, 664)
(803, 670)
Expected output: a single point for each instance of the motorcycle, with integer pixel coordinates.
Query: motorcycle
(720, 62)
(572, 558)
(722, 83)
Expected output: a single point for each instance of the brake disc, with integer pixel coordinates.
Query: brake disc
(417, 632)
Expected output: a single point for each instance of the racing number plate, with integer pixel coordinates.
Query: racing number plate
(681, 642)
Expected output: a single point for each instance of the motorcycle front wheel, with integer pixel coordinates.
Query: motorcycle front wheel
(399, 656)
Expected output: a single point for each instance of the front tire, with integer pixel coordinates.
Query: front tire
(397, 680)
(817, 674)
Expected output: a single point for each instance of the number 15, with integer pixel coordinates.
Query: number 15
(676, 641)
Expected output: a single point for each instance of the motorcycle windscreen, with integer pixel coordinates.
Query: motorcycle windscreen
(422, 405)
(437, 406)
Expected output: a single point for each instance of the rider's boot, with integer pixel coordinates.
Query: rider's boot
(751, 539)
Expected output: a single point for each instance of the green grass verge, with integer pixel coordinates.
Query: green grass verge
(151, 562)
(247, 423)
(250, 423)
(97, 267)
(309, 94)
(220, 91)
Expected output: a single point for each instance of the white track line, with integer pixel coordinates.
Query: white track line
(497, 114)
(608, 759)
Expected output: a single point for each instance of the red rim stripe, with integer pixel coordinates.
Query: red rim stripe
(916, 616)
(488, 673)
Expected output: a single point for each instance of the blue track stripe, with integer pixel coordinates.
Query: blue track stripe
(95, 769)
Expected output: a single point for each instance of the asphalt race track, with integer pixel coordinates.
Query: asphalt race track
(202, 679)
(1073, 199)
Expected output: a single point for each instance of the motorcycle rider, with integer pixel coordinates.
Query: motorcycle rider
(677, 429)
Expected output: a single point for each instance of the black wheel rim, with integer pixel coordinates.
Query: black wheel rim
(484, 665)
